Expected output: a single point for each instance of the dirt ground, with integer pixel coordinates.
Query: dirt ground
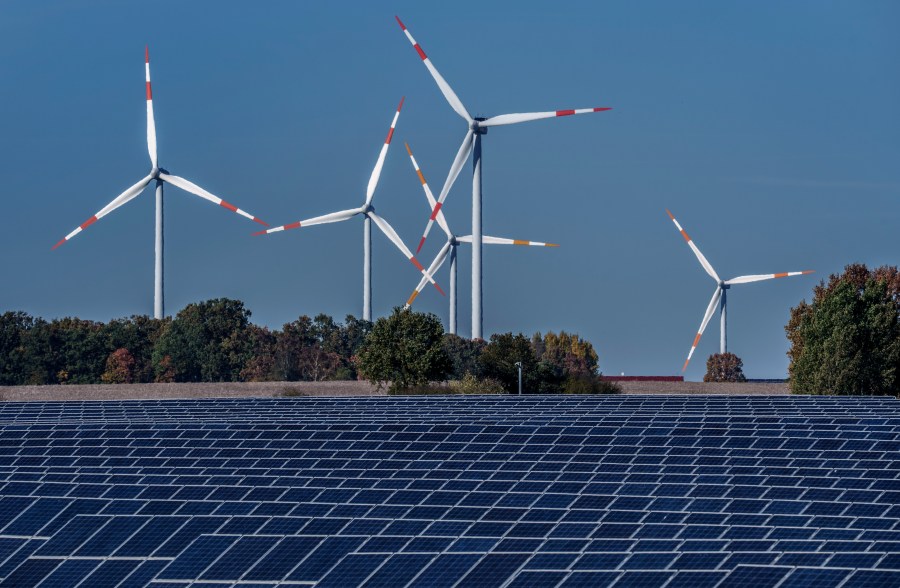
(343, 388)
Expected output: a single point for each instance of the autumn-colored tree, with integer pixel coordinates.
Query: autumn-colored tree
(724, 367)
(138, 334)
(119, 368)
(257, 354)
(847, 340)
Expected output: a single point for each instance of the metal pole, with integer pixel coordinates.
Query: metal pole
(519, 365)
(453, 289)
(159, 307)
(476, 238)
(367, 269)
(723, 338)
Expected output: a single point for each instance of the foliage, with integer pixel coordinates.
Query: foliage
(259, 357)
(569, 352)
(590, 385)
(497, 361)
(119, 368)
(404, 349)
(79, 350)
(471, 384)
(18, 359)
(206, 342)
(847, 340)
(138, 334)
(214, 341)
(464, 354)
(724, 367)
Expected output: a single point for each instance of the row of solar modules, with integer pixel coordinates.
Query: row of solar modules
(536, 500)
(375, 407)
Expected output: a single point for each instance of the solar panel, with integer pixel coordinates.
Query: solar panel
(497, 490)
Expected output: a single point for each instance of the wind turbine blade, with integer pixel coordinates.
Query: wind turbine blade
(710, 310)
(333, 217)
(119, 200)
(706, 265)
(193, 188)
(391, 234)
(151, 122)
(504, 241)
(455, 103)
(761, 277)
(509, 119)
(461, 156)
(376, 173)
(432, 269)
(432, 203)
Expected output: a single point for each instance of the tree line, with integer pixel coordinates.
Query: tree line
(214, 341)
(409, 351)
(210, 341)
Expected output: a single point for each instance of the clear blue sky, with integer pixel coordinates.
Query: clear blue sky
(769, 128)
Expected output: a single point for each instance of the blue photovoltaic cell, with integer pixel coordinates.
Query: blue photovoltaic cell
(197, 557)
(631, 490)
(352, 570)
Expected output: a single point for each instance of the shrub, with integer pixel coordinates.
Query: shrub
(470, 384)
(724, 367)
(590, 385)
(405, 349)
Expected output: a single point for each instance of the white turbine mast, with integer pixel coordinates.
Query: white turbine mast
(472, 143)
(161, 176)
(719, 295)
(368, 212)
(450, 246)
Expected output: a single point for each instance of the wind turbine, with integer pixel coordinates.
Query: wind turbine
(368, 212)
(719, 296)
(449, 247)
(477, 127)
(161, 176)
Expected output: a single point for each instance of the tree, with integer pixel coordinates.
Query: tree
(119, 368)
(206, 342)
(79, 350)
(724, 367)
(566, 363)
(498, 362)
(258, 354)
(463, 354)
(14, 360)
(138, 334)
(405, 349)
(847, 340)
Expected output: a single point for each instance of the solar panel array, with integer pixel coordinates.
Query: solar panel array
(452, 491)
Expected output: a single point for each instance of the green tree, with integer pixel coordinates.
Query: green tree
(206, 342)
(463, 354)
(79, 350)
(847, 340)
(724, 367)
(14, 360)
(404, 349)
(498, 359)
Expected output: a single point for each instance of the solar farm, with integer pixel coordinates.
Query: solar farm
(498, 491)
